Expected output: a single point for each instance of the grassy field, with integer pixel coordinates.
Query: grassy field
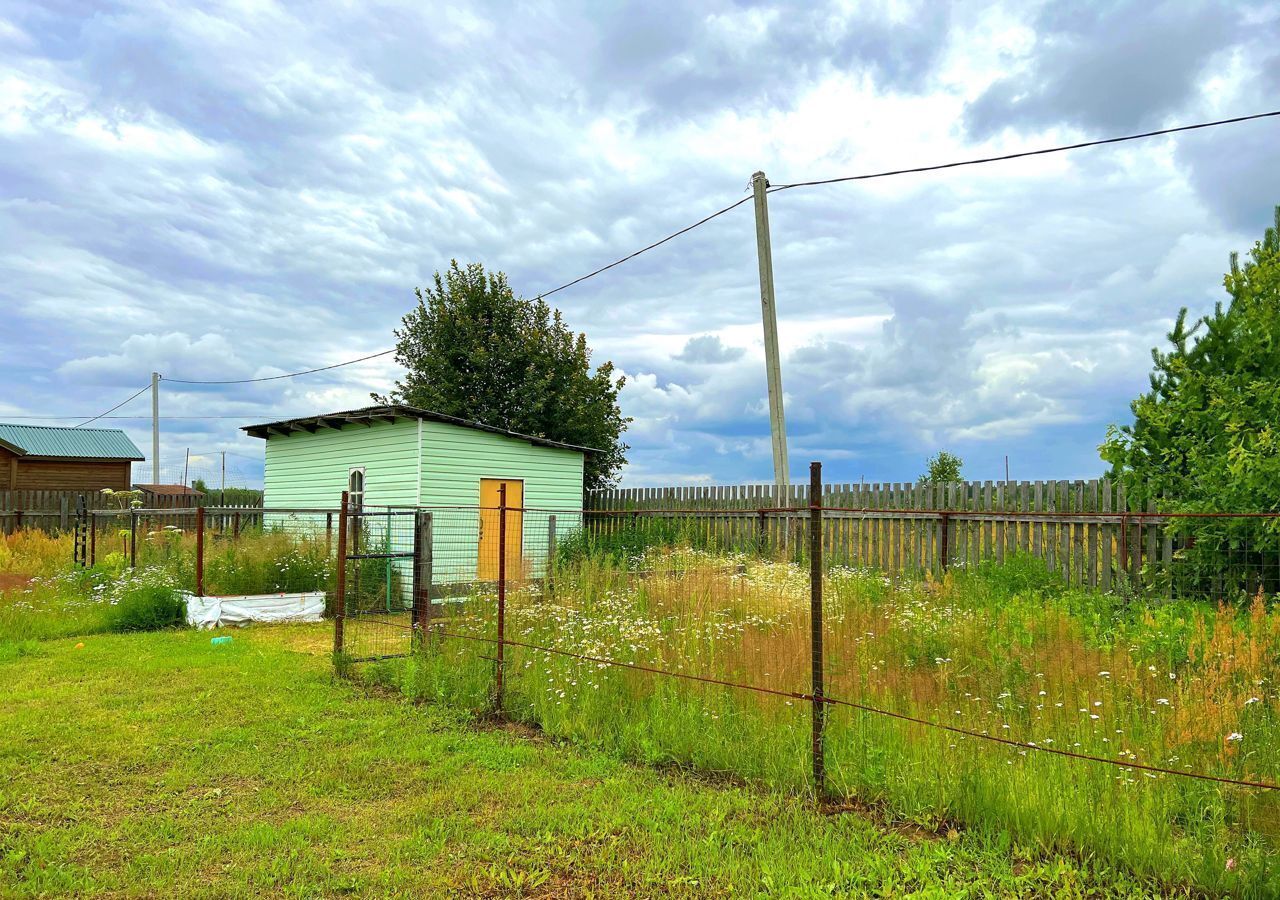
(1006, 651)
(159, 765)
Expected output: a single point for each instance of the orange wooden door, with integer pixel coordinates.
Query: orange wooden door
(490, 515)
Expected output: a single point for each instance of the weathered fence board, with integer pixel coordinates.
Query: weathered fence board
(1077, 527)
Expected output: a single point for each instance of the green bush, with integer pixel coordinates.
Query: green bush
(148, 601)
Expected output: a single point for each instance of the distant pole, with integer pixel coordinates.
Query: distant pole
(1006, 467)
(768, 309)
(186, 464)
(155, 427)
(222, 493)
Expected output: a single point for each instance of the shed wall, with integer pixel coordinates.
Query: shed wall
(453, 463)
(310, 470)
(26, 474)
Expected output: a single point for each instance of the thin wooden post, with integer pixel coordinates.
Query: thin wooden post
(502, 596)
(93, 540)
(133, 538)
(199, 551)
(340, 589)
(944, 550)
(815, 627)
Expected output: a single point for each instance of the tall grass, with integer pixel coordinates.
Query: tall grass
(43, 595)
(1004, 650)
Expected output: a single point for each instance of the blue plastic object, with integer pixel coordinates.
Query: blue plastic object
(220, 641)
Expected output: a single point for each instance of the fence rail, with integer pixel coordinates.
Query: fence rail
(1088, 531)
(56, 511)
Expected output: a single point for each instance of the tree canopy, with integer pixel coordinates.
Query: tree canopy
(1206, 436)
(471, 348)
(943, 468)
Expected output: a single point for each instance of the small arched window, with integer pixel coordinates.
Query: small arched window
(355, 489)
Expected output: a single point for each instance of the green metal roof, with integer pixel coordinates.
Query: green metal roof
(75, 443)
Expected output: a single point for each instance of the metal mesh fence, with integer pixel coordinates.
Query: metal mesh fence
(904, 659)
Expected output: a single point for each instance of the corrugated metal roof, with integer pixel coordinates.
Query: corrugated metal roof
(395, 411)
(75, 443)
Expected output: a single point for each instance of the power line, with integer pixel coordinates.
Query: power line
(1041, 152)
(773, 189)
(128, 399)
(287, 375)
(544, 294)
(630, 256)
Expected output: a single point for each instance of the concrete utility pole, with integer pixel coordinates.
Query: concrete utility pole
(155, 427)
(768, 309)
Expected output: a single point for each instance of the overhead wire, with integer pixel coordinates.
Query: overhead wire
(1043, 151)
(128, 399)
(772, 189)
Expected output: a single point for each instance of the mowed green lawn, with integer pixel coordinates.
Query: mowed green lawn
(159, 765)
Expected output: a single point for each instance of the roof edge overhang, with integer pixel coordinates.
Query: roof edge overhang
(12, 448)
(36, 458)
(370, 415)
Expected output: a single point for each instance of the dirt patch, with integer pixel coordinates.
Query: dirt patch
(12, 582)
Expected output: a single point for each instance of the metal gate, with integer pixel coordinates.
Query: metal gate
(381, 605)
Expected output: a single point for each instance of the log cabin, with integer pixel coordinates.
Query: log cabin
(48, 458)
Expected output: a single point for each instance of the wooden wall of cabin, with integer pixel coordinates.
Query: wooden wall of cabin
(25, 474)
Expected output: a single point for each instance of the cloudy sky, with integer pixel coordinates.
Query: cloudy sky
(240, 190)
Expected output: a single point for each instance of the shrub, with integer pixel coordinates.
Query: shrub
(148, 601)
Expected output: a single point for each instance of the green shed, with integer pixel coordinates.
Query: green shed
(401, 456)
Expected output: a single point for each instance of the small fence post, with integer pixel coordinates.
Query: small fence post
(133, 538)
(815, 627)
(93, 540)
(551, 554)
(421, 578)
(944, 543)
(762, 533)
(340, 588)
(63, 511)
(235, 524)
(199, 551)
(502, 596)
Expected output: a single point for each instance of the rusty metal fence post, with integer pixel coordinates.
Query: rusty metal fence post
(815, 627)
(199, 551)
(340, 588)
(499, 686)
(422, 576)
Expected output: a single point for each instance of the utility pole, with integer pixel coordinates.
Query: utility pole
(772, 363)
(155, 427)
(186, 464)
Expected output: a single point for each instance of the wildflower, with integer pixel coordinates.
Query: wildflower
(1235, 736)
(1161, 701)
(1251, 701)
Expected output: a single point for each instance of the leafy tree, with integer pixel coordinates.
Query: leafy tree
(943, 468)
(1206, 436)
(474, 350)
(232, 496)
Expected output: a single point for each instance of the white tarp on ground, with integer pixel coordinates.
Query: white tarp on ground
(211, 612)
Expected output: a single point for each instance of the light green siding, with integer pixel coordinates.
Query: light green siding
(436, 466)
(455, 459)
(310, 470)
(453, 462)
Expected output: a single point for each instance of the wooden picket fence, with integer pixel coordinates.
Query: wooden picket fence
(55, 511)
(1081, 529)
